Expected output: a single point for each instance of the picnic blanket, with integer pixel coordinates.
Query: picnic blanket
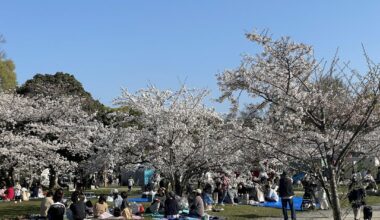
(297, 201)
(138, 200)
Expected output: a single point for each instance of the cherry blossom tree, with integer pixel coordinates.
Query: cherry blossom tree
(306, 112)
(177, 134)
(38, 133)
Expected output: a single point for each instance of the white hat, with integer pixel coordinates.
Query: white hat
(115, 191)
(199, 191)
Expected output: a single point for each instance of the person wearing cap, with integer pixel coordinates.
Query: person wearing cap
(117, 199)
(286, 193)
(197, 209)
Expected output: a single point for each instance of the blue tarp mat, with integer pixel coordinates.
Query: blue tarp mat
(297, 201)
(138, 200)
(157, 216)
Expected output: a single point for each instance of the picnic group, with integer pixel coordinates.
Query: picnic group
(204, 199)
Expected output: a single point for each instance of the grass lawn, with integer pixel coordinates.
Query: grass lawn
(246, 212)
(10, 210)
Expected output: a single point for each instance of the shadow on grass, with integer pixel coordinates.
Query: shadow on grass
(247, 212)
(248, 216)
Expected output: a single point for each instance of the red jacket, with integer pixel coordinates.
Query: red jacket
(10, 193)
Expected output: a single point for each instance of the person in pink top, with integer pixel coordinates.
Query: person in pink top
(2, 190)
(225, 181)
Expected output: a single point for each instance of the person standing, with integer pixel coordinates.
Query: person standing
(225, 185)
(17, 192)
(130, 183)
(286, 193)
(356, 195)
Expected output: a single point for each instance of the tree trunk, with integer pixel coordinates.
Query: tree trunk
(11, 175)
(335, 202)
(105, 179)
(52, 178)
(177, 185)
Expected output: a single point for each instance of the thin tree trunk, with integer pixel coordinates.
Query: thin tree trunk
(177, 185)
(335, 203)
(105, 179)
(52, 178)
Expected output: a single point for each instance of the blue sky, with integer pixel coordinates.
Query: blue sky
(112, 44)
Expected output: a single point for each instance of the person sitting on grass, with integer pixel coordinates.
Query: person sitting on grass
(78, 208)
(270, 194)
(124, 202)
(10, 192)
(117, 213)
(155, 206)
(171, 206)
(89, 208)
(3, 188)
(46, 203)
(57, 209)
(101, 206)
(197, 209)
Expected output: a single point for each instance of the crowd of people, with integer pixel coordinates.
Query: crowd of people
(212, 192)
(55, 207)
(10, 191)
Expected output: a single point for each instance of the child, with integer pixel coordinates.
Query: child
(89, 209)
(17, 192)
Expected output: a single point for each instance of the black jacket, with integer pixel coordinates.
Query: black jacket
(56, 211)
(79, 210)
(171, 207)
(285, 187)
